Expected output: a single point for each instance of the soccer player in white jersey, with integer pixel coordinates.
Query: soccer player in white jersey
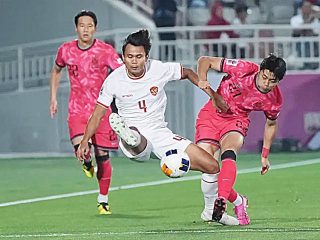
(138, 87)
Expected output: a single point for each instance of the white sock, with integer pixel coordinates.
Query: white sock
(209, 187)
(102, 198)
(238, 201)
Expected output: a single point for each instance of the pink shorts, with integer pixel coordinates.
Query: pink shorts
(210, 127)
(104, 138)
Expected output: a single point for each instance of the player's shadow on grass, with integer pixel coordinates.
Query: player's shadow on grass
(131, 216)
(276, 220)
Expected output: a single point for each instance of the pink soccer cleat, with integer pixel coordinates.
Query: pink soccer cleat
(241, 212)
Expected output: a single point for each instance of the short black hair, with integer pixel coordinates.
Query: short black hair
(86, 13)
(241, 8)
(274, 64)
(139, 38)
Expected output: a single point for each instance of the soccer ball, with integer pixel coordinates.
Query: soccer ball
(175, 163)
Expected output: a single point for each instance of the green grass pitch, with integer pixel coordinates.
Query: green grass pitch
(283, 204)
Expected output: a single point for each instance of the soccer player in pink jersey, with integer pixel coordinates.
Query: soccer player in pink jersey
(223, 123)
(87, 60)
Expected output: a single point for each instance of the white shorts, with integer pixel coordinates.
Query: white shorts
(160, 140)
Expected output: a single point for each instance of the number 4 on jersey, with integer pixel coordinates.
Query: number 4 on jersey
(142, 105)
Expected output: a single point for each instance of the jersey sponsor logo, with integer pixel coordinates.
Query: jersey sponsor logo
(232, 62)
(101, 91)
(178, 138)
(127, 95)
(154, 90)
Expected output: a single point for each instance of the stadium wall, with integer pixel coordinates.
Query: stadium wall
(37, 20)
(26, 125)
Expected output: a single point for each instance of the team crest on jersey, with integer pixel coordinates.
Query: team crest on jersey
(232, 62)
(154, 90)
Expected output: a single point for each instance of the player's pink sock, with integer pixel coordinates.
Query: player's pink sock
(104, 176)
(232, 196)
(227, 177)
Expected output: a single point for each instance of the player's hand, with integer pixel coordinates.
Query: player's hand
(53, 108)
(265, 165)
(220, 104)
(83, 150)
(203, 84)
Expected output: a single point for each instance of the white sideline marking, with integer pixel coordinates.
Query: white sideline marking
(234, 230)
(154, 183)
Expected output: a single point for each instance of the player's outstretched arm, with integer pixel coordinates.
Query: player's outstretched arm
(54, 84)
(269, 134)
(188, 73)
(217, 100)
(91, 128)
(204, 64)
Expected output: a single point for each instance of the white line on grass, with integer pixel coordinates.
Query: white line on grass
(154, 183)
(234, 230)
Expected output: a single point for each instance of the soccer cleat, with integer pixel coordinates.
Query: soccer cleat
(226, 219)
(88, 169)
(241, 212)
(220, 206)
(104, 208)
(122, 130)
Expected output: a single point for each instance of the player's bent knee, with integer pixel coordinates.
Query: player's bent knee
(175, 163)
(102, 158)
(215, 167)
(229, 154)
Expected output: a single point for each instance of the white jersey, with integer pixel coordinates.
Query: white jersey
(141, 102)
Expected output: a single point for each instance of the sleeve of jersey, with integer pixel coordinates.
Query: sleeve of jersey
(275, 108)
(105, 96)
(238, 67)
(173, 71)
(114, 60)
(59, 59)
(273, 114)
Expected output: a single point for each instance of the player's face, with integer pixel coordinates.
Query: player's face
(85, 30)
(266, 80)
(135, 58)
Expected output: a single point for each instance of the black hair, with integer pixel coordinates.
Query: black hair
(139, 38)
(241, 8)
(86, 13)
(274, 64)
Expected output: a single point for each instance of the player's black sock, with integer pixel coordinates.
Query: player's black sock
(88, 164)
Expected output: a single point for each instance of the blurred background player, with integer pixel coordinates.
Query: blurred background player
(88, 60)
(223, 123)
(138, 88)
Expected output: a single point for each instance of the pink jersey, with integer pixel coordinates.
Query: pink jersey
(87, 71)
(240, 92)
